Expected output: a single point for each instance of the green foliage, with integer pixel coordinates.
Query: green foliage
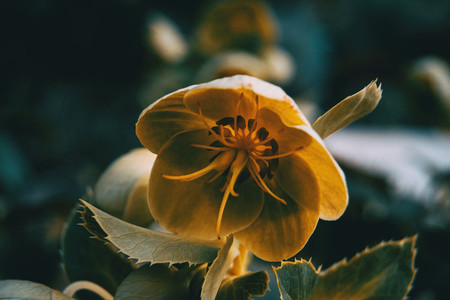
(296, 280)
(160, 281)
(385, 271)
(157, 282)
(146, 245)
(27, 290)
(244, 287)
(85, 258)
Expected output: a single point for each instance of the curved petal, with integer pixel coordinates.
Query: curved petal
(136, 210)
(282, 230)
(288, 138)
(165, 118)
(218, 99)
(191, 208)
(331, 179)
(117, 183)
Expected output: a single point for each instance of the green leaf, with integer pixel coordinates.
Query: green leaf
(296, 280)
(218, 269)
(244, 287)
(27, 290)
(157, 282)
(85, 258)
(146, 245)
(385, 271)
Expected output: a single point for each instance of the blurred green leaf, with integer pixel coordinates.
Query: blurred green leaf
(296, 280)
(156, 282)
(85, 258)
(146, 245)
(218, 269)
(385, 271)
(244, 287)
(28, 290)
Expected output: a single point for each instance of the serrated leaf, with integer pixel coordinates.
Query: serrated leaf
(218, 269)
(244, 287)
(156, 282)
(146, 245)
(385, 271)
(85, 258)
(296, 280)
(28, 290)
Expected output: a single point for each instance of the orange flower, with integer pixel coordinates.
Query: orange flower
(236, 155)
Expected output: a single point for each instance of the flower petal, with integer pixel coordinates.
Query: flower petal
(348, 110)
(288, 138)
(121, 190)
(218, 99)
(282, 230)
(165, 118)
(191, 208)
(331, 179)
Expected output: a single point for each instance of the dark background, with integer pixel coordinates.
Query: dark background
(71, 76)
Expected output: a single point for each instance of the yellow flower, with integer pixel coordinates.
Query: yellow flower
(236, 155)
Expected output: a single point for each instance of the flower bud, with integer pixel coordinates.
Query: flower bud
(122, 189)
(348, 110)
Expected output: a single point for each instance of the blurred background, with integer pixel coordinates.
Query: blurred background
(76, 75)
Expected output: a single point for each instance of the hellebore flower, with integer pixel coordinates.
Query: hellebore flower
(236, 155)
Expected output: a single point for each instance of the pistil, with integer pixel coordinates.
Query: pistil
(220, 164)
(236, 167)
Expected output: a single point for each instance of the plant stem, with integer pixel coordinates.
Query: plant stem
(74, 287)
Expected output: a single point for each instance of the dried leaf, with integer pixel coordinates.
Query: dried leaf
(219, 267)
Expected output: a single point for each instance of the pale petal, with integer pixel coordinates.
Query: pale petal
(136, 210)
(330, 178)
(218, 99)
(348, 110)
(121, 191)
(191, 208)
(282, 230)
(165, 118)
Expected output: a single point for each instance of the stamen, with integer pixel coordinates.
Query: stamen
(256, 116)
(210, 147)
(262, 134)
(236, 167)
(241, 96)
(261, 182)
(221, 163)
(221, 210)
(275, 156)
(264, 141)
(218, 137)
(225, 121)
(215, 176)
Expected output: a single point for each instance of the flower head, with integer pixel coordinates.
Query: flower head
(236, 155)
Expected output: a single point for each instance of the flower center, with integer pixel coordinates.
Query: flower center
(244, 149)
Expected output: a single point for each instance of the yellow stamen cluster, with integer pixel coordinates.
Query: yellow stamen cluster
(245, 150)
